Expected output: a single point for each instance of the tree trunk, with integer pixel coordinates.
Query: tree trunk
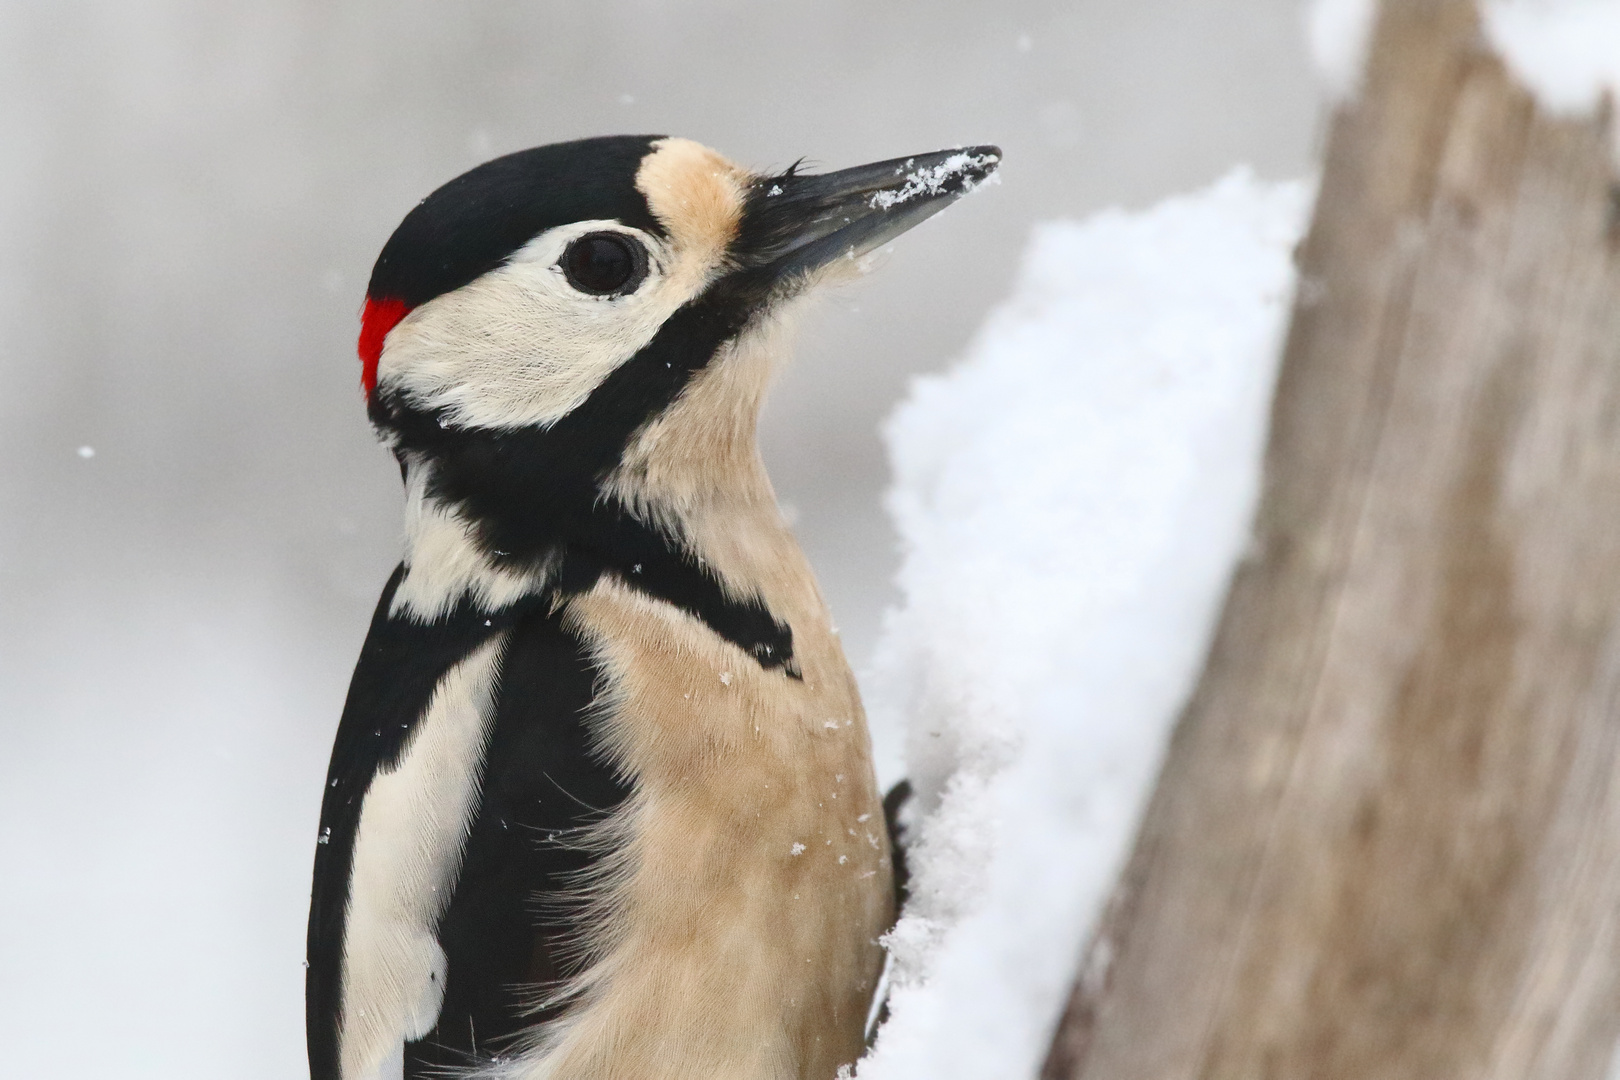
(1385, 844)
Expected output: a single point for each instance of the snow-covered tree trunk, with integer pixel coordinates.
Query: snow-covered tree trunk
(1386, 839)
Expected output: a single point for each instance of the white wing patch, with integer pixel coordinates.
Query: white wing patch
(407, 852)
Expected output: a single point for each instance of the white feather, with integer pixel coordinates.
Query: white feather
(407, 853)
(443, 563)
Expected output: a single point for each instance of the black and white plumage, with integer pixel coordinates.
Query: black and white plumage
(601, 801)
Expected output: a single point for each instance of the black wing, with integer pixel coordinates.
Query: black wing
(512, 928)
(399, 666)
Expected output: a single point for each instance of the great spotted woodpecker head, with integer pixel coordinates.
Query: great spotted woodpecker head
(529, 320)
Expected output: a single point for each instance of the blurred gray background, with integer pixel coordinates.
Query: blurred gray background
(194, 517)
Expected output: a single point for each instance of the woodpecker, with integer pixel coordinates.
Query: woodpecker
(601, 803)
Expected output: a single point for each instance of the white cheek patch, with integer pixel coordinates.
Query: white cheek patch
(520, 346)
(407, 855)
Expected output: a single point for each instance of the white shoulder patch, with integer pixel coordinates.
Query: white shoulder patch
(443, 564)
(407, 852)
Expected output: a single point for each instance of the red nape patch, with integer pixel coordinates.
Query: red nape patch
(381, 315)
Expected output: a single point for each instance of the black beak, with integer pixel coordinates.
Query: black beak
(795, 224)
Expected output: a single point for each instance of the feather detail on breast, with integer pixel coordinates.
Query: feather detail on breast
(755, 874)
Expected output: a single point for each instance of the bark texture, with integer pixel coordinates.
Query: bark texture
(1385, 844)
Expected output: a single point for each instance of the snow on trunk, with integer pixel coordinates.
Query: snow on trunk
(1338, 32)
(1071, 499)
(1566, 51)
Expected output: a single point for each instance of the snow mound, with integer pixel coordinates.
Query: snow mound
(1071, 500)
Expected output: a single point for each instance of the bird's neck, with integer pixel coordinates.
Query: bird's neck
(702, 453)
(496, 516)
(446, 560)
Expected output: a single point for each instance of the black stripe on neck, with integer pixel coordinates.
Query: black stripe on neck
(533, 494)
(651, 562)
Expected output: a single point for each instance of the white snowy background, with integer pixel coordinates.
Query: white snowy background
(194, 520)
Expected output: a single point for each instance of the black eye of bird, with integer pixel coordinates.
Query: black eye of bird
(605, 264)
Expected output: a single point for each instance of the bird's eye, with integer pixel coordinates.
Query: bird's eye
(605, 264)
